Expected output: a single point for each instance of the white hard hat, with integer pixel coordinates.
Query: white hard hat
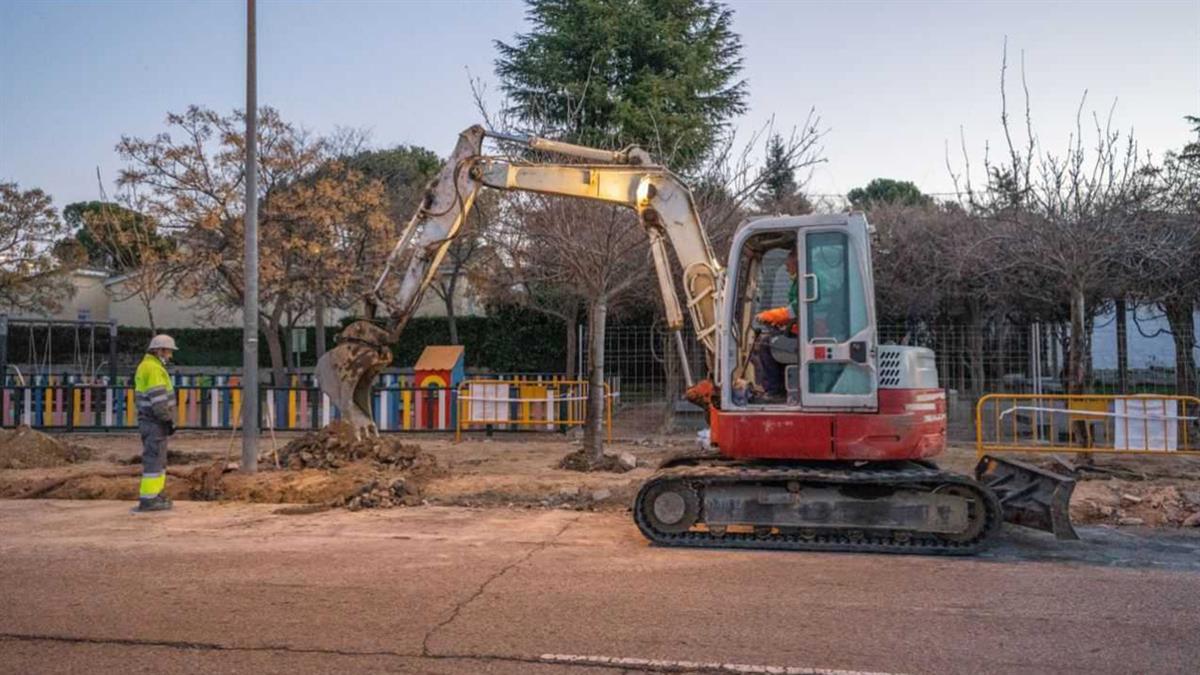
(162, 342)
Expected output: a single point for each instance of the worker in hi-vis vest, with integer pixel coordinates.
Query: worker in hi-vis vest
(155, 397)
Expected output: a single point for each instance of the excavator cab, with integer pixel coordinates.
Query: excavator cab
(818, 386)
(817, 269)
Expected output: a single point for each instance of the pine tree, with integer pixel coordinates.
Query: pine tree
(663, 74)
(780, 193)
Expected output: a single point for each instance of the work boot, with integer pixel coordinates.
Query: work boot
(156, 503)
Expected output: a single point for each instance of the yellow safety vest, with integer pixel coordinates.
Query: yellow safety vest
(153, 390)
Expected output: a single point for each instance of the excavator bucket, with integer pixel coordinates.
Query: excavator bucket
(1030, 496)
(347, 371)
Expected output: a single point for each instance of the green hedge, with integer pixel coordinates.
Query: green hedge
(510, 340)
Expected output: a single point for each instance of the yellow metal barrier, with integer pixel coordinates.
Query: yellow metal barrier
(1137, 424)
(548, 404)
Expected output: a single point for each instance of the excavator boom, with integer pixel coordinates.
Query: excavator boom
(663, 203)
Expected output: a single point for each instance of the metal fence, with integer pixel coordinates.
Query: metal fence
(1139, 424)
(550, 405)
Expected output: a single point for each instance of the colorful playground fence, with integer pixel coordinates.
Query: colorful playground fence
(1136, 424)
(214, 402)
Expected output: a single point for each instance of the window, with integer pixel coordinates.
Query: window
(837, 311)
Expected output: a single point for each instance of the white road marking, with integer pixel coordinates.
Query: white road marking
(668, 666)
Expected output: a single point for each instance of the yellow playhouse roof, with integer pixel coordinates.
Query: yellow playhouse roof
(439, 357)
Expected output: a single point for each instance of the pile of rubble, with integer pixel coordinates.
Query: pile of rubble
(336, 446)
(384, 494)
(611, 461)
(1132, 503)
(25, 448)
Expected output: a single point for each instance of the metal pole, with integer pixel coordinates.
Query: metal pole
(112, 352)
(3, 349)
(683, 360)
(250, 308)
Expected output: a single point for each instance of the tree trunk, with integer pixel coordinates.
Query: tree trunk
(451, 319)
(319, 322)
(275, 348)
(1179, 317)
(150, 317)
(1089, 329)
(289, 349)
(1077, 358)
(572, 328)
(1077, 369)
(976, 350)
(593, 431)
(1122, 347)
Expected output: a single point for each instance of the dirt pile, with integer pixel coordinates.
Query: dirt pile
(335, 446)
(615, 462)
(1120, 502)
(25, 448)
(328, 467)
(384, 493)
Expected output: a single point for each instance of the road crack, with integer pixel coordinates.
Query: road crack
(461, 605)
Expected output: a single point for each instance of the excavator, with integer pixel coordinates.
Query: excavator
(840, 460)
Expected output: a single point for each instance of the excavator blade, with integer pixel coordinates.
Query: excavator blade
(1030, 496)
(347, 372)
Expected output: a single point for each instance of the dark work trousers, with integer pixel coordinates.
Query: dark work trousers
(154, 457)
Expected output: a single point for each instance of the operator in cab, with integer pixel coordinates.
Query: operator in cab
(769, 372)
(155, 396)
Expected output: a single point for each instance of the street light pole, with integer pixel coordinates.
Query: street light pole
(250, 307)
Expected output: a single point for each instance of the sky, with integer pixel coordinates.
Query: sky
(894, 83)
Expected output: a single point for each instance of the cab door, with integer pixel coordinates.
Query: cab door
(836, 317)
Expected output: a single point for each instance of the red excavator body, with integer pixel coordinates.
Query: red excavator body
(909, 425)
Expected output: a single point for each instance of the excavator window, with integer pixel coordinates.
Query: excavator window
(836, 310)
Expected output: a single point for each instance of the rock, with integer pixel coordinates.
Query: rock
(601, 494)
(1190, 496)
(627, 461)
(1192, 520)
(569, 491)
(1130, 521)
(1130, 499)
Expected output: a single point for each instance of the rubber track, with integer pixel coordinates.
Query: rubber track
(827, 539)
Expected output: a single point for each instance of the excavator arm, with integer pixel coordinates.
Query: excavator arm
(663, 203)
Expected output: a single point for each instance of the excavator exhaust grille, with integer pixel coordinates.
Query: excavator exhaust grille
(904, 367)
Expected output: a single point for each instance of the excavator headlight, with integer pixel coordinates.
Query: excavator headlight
(645, 190)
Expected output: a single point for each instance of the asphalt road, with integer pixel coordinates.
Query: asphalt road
(87, 587)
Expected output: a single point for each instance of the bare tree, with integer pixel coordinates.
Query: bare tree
(463, 257)
(33, 271)
(732, 184)
(1060, 220)
(598, 252)
(132, 247)
(322, 223)
(1165, 263)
